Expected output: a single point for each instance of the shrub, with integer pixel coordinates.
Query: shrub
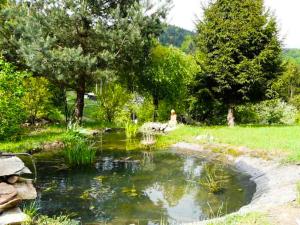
(11, 93)
(78, 152)
(268, 112)
(37, 98)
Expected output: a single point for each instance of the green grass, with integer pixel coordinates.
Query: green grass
(247, 219)
(34, 138)
(283, 140)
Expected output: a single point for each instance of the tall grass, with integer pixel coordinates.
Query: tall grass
(131, 129)
(78, 152)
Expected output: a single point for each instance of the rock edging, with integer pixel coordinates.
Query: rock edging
(275, 183)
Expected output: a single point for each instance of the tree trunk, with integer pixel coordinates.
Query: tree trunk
(155, 103)
(230, 116)
(79, 101)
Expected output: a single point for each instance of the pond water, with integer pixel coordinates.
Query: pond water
(138, 187)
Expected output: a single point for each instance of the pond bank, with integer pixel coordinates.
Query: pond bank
(276, 183)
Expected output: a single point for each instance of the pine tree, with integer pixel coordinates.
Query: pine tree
(72, 41)
(240, 52)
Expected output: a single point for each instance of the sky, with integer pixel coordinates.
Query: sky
(185, 13)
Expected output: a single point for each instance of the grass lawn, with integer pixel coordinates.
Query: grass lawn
(33, 139)
(277, 139)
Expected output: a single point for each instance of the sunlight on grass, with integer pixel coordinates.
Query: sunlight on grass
(247, 219)
(278, 139)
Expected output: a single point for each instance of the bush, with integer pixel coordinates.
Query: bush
(268, 112)
(77, 151)
(37, 98)
(11, 94)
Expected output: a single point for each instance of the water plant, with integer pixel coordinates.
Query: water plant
(31, 210)
(214, 178)
(131, 129)
(59, 220)
(78, 151)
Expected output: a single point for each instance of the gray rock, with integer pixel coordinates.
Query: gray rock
(12, 166)
(12, 216)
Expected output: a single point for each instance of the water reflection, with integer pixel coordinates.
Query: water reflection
(137, 188)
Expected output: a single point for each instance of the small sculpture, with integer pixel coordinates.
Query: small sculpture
(173, 119)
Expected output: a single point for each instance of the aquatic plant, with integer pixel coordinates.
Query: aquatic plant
(60, 220)
(214, 178)
(78, 151)
(31, 210)
(131, 129)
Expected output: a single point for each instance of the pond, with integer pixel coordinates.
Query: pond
(138, 187)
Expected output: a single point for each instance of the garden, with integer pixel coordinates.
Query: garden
(110, 115)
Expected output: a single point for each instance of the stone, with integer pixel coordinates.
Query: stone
(12, 166)
(10, 204)
(7, 193)
(13, 216)
(25, 189)
(12, 179)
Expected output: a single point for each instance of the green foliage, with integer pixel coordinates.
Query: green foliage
(11, 94)
(37, 98)
(239, 51)
(288, 84)
(131, 129)
(292, 55)
(174, 35)
(78, 152)
(214, 178)
(73, 42)
(57, 220)
(112, 100)
(31, 210)
(267, 112)
(169, 72)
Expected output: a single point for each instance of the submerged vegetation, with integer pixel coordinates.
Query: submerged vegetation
(214, 179)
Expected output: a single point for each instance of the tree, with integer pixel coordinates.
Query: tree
(167, 75)
(288, 84)
(71, 41)
(240, 52)
(112, 100)
(11, 94)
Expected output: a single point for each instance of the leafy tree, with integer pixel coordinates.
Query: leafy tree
(240, 52)
(292, 55)
(288, 84)
(168, 73)
(37, 97)
(112, 100)
(11, 94)
(71, 42)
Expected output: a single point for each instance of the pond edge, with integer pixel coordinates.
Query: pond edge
(275, 182)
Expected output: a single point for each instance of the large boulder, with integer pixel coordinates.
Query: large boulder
(12, 166)
(13, 216)
(7, 193)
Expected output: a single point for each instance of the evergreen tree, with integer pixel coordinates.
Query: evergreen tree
(72, 41)
(240, 52)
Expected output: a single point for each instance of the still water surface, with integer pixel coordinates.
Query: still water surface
(127, 187)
